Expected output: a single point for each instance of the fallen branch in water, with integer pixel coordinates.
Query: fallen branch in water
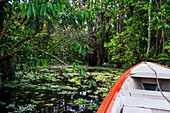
(52, 56)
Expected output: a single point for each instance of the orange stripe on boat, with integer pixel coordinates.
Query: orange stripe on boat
(162, 65)
(108, 102)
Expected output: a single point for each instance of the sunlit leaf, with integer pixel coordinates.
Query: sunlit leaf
(74, 66)
(29, 10)
(33, 9)
(41, 11)
(58, 9)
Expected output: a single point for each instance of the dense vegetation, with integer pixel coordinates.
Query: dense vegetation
(119, 33)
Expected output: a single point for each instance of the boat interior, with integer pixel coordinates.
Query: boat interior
(140, 92)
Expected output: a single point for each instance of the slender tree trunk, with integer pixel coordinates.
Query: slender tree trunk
(100, 49)
(162, 36)
(91, 58)
(120, 18)
(149, 32)
(157, 35)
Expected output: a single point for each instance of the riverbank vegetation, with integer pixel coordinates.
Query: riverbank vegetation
(116, 34)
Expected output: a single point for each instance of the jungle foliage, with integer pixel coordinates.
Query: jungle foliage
(92, 31)
(36, 35)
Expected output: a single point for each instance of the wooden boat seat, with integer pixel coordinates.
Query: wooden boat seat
(150, 75)
(147, 103)
(127, 109)
(149, 94)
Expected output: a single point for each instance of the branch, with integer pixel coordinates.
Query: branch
(6, 24)
(52, 56)
(28, 48)
(115, 17)
(21, 41)
(157, 4)
(41, 51)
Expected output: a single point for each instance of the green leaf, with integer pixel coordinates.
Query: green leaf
(2, 103)
(33, 9)
(54, 9)
(74, 66)
(62, 9)
(159, 26)
(51, 6)
(41, 11)
(2, 51)
(22, 6)
(167, 47)
(48, 4)
(73, 11)
(29, 10)
(25, 4)
(82, 69)
(45, 11)
(76, 47)
(58, 9)
(88, 24)
(80, 49)
(82, 14)
(14, 4)
(86, 15)
(167, 26)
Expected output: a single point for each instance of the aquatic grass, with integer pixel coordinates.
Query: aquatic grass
(61, 86)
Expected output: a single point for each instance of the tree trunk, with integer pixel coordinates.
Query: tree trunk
(92, 58)
(149, 32)
(100, 48)
(157, 35)
(120, 18)
(6, 68)
(163, 36)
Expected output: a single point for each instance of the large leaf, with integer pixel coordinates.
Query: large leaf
(45, 10)
(74, 66)
(41, 10)
(33, 10)
(58, 8)
(29, 10)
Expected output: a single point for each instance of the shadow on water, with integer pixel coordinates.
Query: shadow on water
(57, 92)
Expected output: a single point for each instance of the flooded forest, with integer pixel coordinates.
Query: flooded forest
(64, 56)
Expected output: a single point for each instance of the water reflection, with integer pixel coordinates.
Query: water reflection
(57, 93)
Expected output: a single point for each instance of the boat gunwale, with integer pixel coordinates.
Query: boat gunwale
(108, 102)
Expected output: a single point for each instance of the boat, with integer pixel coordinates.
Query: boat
(144, 88)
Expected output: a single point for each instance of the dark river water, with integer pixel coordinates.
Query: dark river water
(53, 91)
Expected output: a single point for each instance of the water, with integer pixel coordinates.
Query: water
(56, 92)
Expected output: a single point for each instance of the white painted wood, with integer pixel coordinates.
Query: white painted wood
(144, 71)
(127, 109)
(132, 98)
(146, 103)
(117, 106)
(159, 111)
(149, 94)
(150, 75)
